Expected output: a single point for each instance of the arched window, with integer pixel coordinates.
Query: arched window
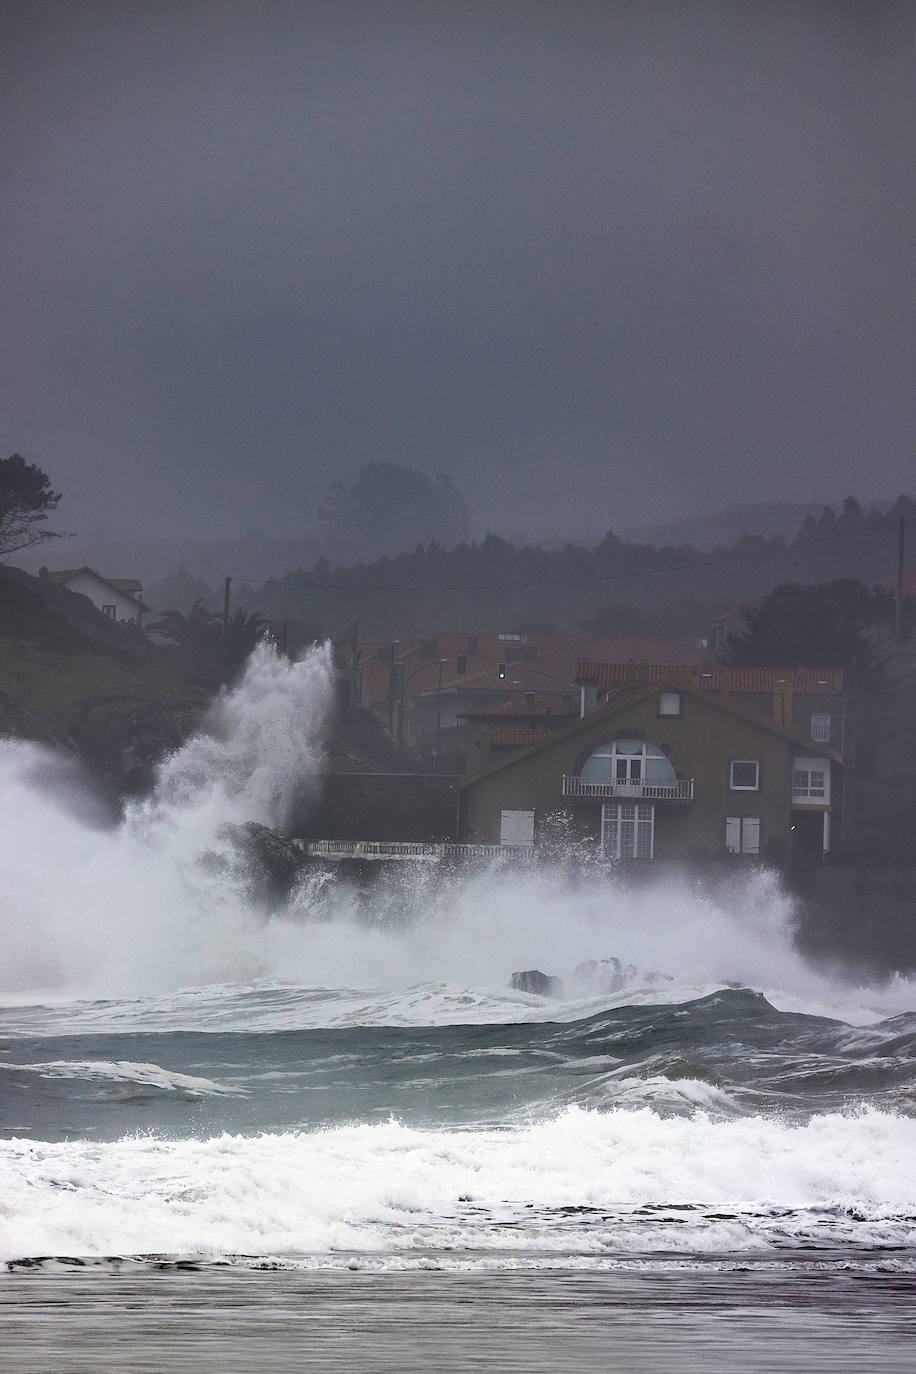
(627, 761)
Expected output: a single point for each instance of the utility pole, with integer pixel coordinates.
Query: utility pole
(898, 608)
(439, 714)
(226, 609)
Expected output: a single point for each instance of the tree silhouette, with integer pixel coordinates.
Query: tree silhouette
(26, 496)
(830, 625)
(390, 508)
(195, 631)
(244, 630)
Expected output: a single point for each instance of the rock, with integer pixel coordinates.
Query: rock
(541, 984)
(271, 861)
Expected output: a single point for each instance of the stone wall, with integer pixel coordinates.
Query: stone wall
(380, 806)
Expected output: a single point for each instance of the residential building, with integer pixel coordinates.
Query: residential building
(120, 598)
(425, 691)
(663, 769)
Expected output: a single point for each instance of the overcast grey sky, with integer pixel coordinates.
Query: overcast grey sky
(603, 263)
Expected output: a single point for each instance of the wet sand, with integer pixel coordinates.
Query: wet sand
(218, 1320)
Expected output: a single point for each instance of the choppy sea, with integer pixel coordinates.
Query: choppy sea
(331, 1136)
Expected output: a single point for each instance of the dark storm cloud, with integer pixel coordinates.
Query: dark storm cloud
(600, 262)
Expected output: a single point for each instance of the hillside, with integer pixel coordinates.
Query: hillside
(103, 693)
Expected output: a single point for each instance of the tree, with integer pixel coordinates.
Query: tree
(825, 626)
(26, 496)
(180, 590)
(197, 631)
(390, 508)
(244, 630)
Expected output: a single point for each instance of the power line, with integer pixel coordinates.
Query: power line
(559, 582)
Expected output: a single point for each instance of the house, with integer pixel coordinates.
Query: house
(811, 701)
(425, 690)
(120, 598)
(663, 769)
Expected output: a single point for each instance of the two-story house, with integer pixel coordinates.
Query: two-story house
(664, 769)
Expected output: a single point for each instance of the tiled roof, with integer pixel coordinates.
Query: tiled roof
(715, 678)
(128, 585)
(517, 706)
(517, 739)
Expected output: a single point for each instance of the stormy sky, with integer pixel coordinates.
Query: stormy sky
(602, 262)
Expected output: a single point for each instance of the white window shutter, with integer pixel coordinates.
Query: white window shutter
(733, 834)
(750, 835)
(516, 827)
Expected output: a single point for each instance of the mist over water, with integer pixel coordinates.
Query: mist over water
(161, 903)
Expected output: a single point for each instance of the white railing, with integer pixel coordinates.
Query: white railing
(412, 849)
(681, 790)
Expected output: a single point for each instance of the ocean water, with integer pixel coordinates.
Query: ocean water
(329, 1135)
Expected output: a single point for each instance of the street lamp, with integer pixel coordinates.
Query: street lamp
(442, 662)
(405, 702)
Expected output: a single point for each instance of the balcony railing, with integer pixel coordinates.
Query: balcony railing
(631, 790)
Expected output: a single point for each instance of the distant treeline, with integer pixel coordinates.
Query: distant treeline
(613, 587)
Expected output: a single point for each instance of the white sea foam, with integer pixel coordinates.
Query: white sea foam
(160, 904)
(123, 1071)
(583, 1182)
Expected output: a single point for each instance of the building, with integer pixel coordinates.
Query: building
(663, 769)
(120, 598)
(810, 700)
(425, 691)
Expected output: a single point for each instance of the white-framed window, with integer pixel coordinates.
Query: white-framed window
(744, 775)
(110, 611)
(627, 830)
(628, 761)
(810, 780)
(742, 834)
(669, 704)
(820, 726)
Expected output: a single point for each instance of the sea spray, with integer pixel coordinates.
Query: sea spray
(159, 901)
(162, 901)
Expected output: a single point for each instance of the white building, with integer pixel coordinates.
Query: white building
(117, 597)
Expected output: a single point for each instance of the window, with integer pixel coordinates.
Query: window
(809, 782)
(820, 726)
(669, 704)
(744, 775)
(630, 761)
(742, 834)
(627, 830)
(110, 611)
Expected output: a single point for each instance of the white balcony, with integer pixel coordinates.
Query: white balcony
(679, 791)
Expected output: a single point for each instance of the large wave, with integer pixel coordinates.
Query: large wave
(596, 1184)
(161, 903)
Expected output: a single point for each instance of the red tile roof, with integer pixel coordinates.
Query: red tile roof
(716, 678)
(517, 739)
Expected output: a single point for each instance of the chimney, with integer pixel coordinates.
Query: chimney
(782, 698)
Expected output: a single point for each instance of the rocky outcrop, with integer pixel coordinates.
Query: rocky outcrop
(534, 981)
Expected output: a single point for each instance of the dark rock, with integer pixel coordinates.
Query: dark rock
(270, 861)
(541, 984)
